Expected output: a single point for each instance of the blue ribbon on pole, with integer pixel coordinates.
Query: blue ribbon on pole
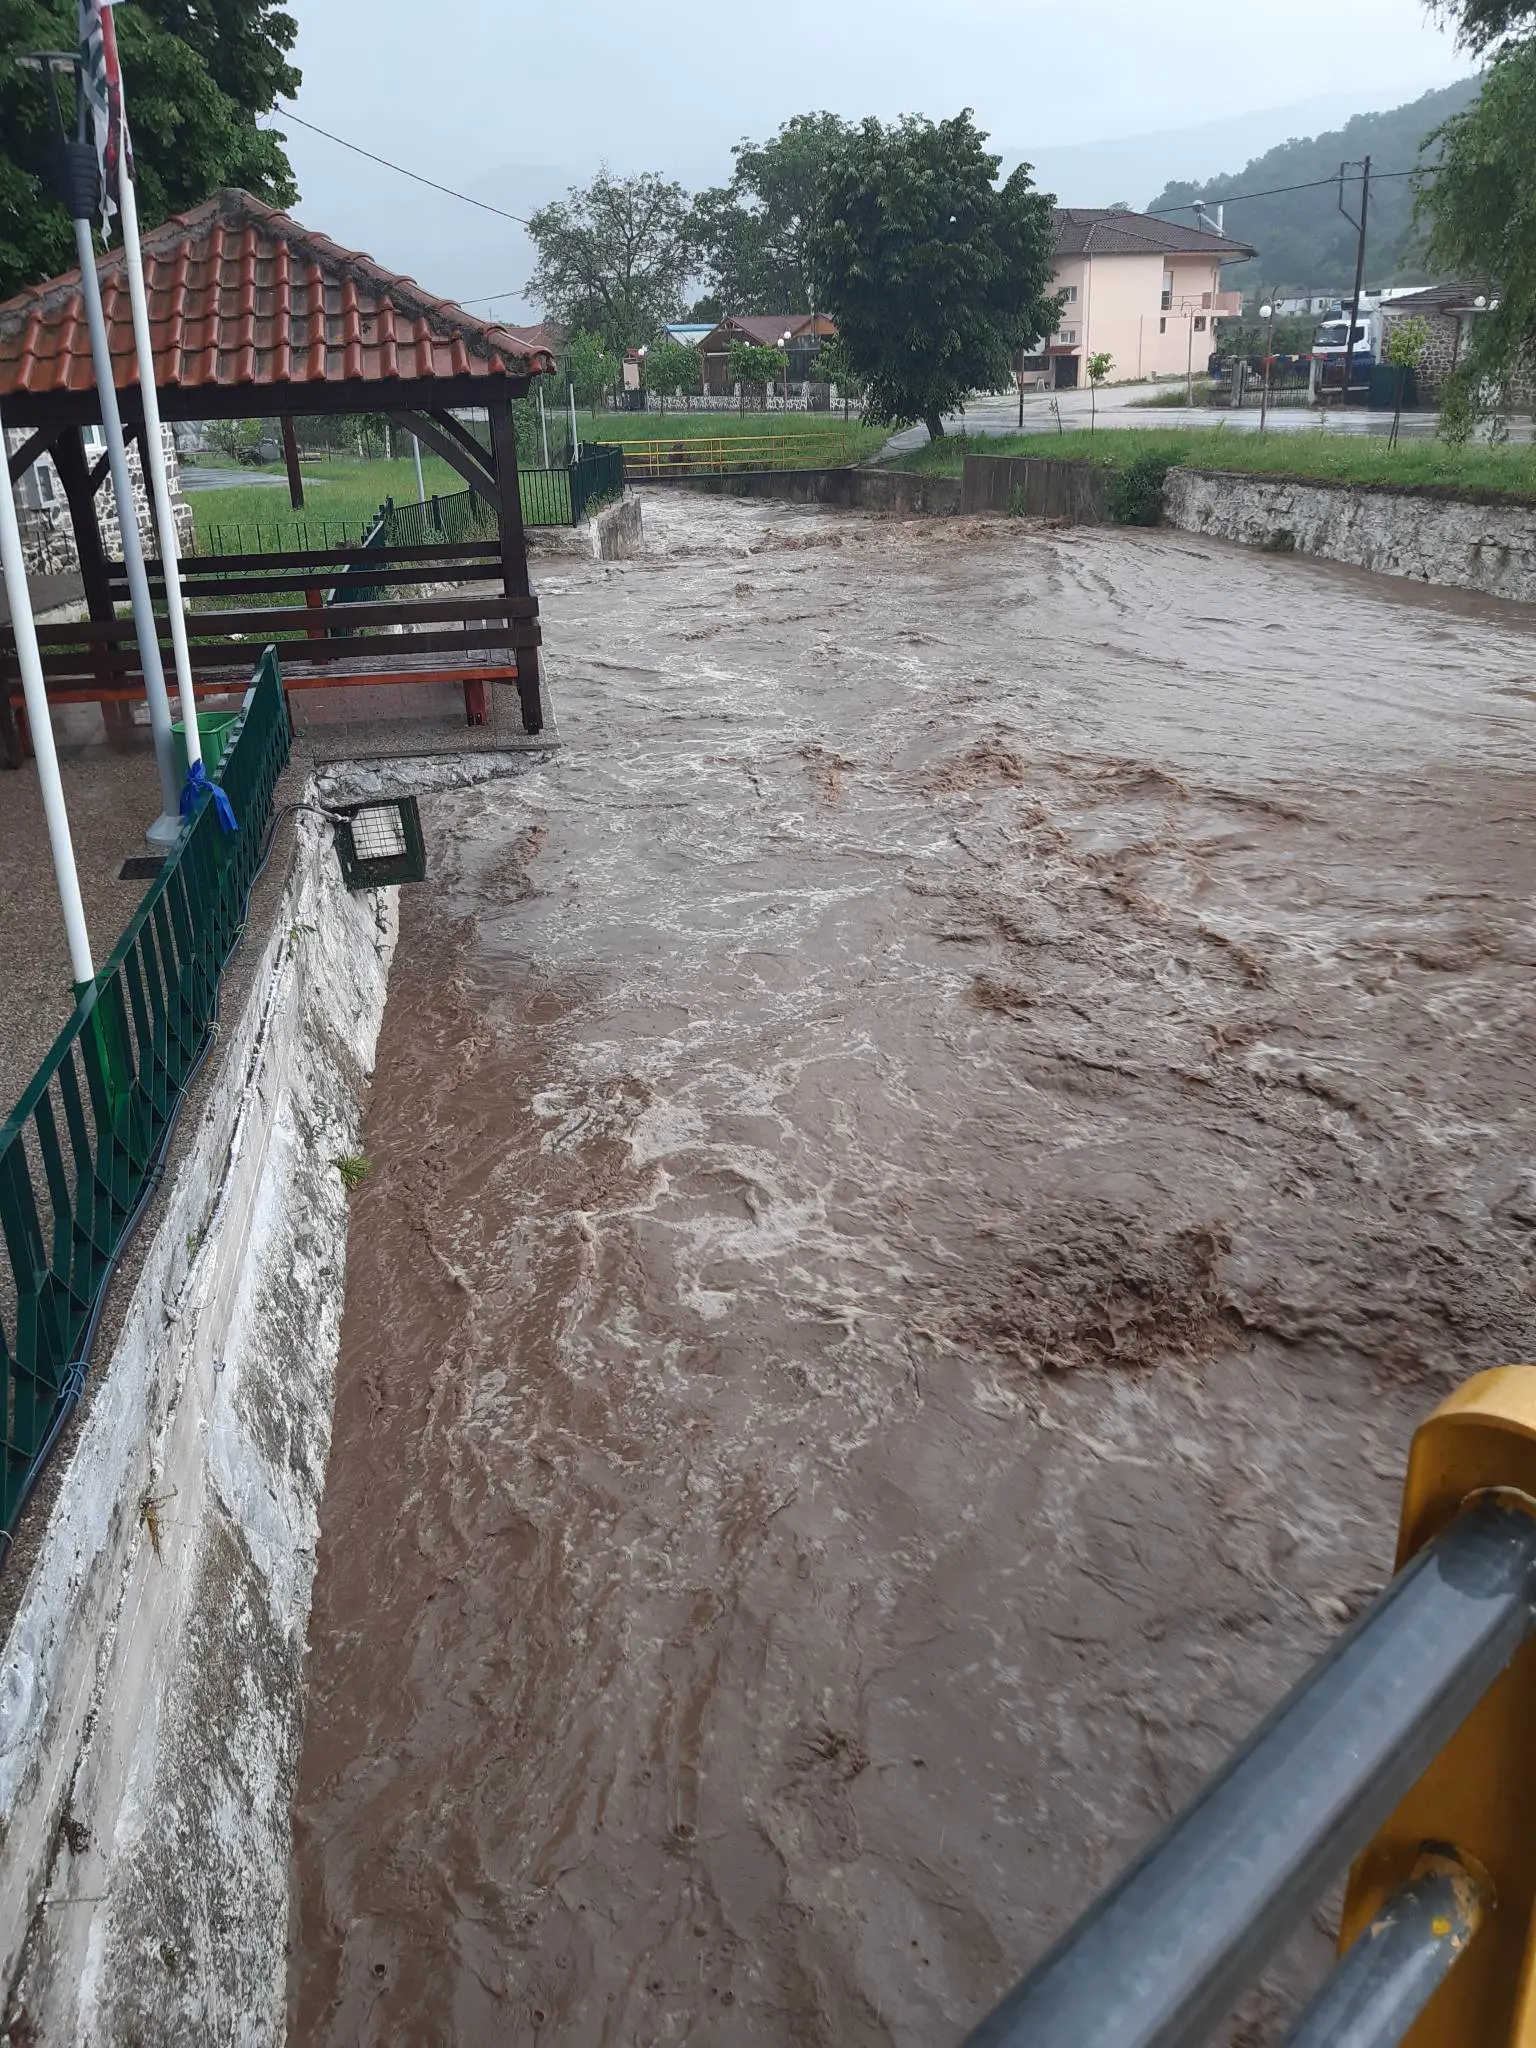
(198, 786)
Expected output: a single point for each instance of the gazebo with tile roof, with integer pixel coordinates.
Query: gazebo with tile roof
(253, 315)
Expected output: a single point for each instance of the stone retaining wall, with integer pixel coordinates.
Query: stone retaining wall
(865, 490)
(1491, 548)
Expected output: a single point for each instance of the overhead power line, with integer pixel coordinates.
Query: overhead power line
(1274, 192)
(416, 176)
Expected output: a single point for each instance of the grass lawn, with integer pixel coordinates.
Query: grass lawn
(1475, 471)
(340, 498)
(342, 493)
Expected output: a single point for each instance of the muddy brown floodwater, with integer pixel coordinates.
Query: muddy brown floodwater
(924, 1169)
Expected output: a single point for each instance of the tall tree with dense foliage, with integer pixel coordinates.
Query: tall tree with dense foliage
(753, 234)
(591, 368)
(672, 368)
(1480, 205)
(936, 275)
(614, 257)
(196, 74)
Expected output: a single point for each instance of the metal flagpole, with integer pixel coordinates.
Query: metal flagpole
(167, 827)
(81, 965)
(80, 187)
(151, 448)
(421, 489)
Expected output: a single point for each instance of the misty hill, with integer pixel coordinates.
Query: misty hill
(1303, 240)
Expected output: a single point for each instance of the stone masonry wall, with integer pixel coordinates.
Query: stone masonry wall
(1491, 548)
(47, 536)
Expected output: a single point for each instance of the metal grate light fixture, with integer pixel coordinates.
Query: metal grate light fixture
(380, 843)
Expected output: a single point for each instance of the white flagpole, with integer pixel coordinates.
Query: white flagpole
(81, 965)
(421, 489)
(153, 451)
(167, 827)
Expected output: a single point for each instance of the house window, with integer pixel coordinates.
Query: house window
(1199, 323)
(1162, 326)
(1071, 294)
(1069, 334)
(1167, 291)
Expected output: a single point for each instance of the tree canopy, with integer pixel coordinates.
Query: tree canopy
(195, 77)
(614, 256)
(753, 234)
(1480, 207)
(935, 274)
(671, 367)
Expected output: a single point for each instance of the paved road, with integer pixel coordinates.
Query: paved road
(1123, 405)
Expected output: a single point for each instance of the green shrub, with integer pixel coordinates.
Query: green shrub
(1136, 493)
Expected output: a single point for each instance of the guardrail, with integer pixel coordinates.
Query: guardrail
(83, 1150)
(715, 454)
(1405, 1749)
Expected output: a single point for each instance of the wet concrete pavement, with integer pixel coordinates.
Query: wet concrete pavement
(923, 1171)
(1125, 405)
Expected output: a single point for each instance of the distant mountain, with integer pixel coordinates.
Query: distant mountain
(1132, 167)
(1304, 242)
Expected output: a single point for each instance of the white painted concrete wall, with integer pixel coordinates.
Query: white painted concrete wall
(151, 1698)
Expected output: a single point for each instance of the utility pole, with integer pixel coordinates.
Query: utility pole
(1359, 225)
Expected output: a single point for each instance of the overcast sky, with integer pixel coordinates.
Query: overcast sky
(515, 104)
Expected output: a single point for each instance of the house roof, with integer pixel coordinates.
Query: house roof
(547, 336)
(767, 330)
(1459, 296)
(244, 299)
(1102, 231)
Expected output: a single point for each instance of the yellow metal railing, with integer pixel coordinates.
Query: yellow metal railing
(713, 454)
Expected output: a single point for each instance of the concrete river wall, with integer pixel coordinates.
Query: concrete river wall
(151, 1694)
(1487, 547)
(1431, 538)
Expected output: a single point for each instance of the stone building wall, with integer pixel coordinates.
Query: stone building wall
(47, 536)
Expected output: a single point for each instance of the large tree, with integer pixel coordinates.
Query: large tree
(1479, 202)
(195, 75)
(753, 233)
(614, 257)
(935, 273)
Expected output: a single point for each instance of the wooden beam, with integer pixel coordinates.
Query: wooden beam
(462, 452)
(256, 622)
(348, 555)
(238, 589)
(514, 553)
(291, 457)
(103, 468)
(27, 454)
(321, 399)
(75, 476)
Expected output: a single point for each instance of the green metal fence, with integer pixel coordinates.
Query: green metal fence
(82, 1152)
(595, 477)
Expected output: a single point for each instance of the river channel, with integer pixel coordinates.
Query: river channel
(923, 1170)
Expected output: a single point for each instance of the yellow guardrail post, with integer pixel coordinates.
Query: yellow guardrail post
(1477, 1798)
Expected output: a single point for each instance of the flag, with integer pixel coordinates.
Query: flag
(104, 96)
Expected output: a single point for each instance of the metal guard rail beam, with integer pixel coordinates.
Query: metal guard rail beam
(1164, 1953)
(82, 1151)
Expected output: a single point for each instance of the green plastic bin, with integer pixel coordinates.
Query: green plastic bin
(214, 730)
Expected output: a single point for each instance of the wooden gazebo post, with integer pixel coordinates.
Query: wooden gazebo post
(514, 554)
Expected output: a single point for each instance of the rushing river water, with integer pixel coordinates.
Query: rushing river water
(923, 1170)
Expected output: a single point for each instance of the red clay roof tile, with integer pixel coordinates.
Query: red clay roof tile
(241, 294)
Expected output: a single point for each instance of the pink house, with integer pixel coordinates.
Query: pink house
(1141, 289)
